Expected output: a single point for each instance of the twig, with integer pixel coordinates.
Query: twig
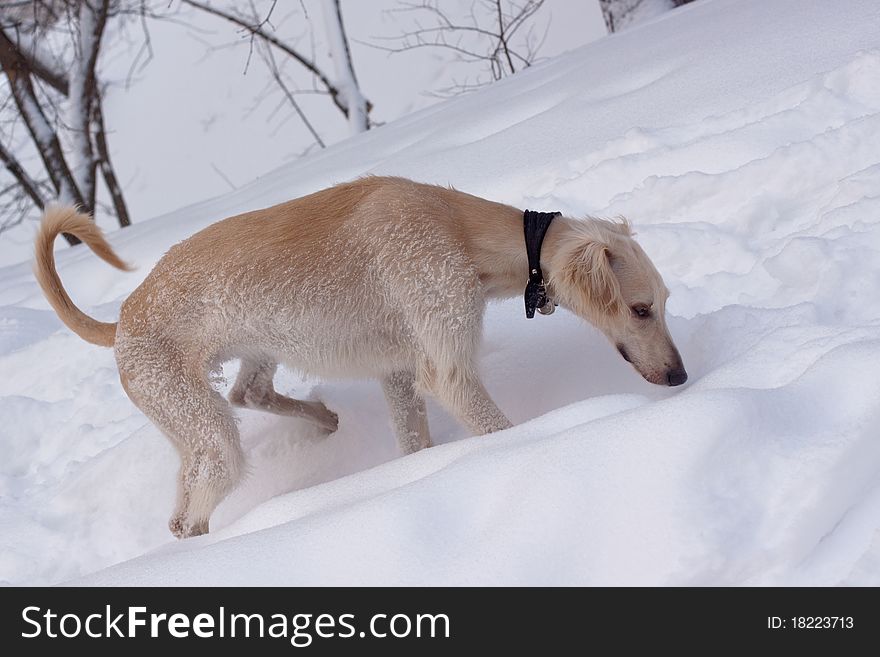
(489, 35)
(24, 180)
(223, 176)
(276, 74)
(107, 170)
(310, 65)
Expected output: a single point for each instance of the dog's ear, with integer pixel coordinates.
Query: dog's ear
(590, 280)
(602, 282)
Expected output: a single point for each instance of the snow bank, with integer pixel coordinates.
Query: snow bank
(741, 138)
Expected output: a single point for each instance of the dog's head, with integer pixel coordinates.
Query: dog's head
(600, 273)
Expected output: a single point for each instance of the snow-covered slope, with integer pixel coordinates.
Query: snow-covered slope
(742, 138)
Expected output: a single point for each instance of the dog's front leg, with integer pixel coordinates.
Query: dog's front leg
(463, 394)
(408, 413)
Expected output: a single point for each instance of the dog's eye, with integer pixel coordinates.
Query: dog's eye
(641, 311)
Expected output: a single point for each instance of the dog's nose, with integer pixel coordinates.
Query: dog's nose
(676, 377)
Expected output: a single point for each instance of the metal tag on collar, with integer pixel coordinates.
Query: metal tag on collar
(548, 308)
(535, 296)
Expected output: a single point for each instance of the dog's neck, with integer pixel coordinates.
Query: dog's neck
(499, 250)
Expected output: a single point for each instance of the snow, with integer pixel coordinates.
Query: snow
(748, 164)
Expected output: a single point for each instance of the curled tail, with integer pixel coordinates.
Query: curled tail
(65, 219)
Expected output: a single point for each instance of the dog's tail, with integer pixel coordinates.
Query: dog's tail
(65, 219)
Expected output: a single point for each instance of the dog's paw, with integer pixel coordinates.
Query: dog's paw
(329, 423)
(236, 398)
(182, 528)
(322, 417)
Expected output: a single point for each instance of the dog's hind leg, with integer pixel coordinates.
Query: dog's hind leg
(177, 396)
(408, 413)
(253, 389)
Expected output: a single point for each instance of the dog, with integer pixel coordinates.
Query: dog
(379, 278)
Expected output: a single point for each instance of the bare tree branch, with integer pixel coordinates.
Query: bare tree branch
(92, 19)
(358, 114)
(259, 31)
(348, 60)
(73, 177)
(145, 52)
(276, 75)
(40, 63)
(107, 171)
(620, 13)
(501, 38)
(16, 69)
(266, 21)
(15, 210)
(487, 37)
(24, 180)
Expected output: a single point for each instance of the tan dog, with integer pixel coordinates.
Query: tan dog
(382, 277)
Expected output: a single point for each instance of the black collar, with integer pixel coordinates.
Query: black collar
(536, 225)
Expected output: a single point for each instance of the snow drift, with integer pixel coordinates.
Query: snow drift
(742, 139)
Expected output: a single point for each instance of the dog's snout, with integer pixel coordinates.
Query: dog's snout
(623, 353)
(676, 377)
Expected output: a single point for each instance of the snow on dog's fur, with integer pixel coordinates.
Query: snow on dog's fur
(381, 277)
